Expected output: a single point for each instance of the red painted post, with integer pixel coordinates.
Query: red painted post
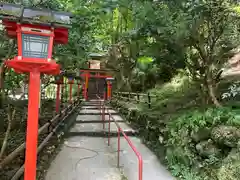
(118, 160)
(140, 168)
(70, 93)
(109, 129)
(66, 92)
(103, 117)
(87, 79)
(58, 98)
(83, 91)
(78, 91)
(108, 90)
(62, 93)
(32, 127)
(86, 86)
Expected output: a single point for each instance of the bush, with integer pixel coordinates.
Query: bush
(184, 148)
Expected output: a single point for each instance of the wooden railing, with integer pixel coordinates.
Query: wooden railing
(137, 97)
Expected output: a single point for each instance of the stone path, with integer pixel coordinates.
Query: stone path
(90, 158)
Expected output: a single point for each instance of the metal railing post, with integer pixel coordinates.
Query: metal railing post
(118, 160)
(140, 161)
(149, 100)
(138, 98)
(109, 129)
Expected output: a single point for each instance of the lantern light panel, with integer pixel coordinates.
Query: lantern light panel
(35, 46)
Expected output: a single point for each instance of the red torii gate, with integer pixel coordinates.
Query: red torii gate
(95, 73)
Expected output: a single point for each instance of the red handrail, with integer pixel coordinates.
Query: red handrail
(140, 161)
(102, 110)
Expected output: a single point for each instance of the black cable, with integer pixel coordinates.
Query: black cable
(88, 157)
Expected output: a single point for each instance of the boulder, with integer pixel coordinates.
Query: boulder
(201, 134)
(207, 148)
(226, 135)
(229, 170)
(234, 155)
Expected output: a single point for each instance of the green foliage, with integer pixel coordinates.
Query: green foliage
(181, 146)
(184, 173)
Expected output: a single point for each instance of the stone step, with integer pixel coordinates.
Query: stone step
(100, 133)
(96, 121)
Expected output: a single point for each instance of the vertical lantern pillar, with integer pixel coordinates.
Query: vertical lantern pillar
(32, 127)
(78, 90)
(70, 82)
(83, 90)
(108, 90)
(58, 98)
(58, 81)
(62, 92)
(66, 91)
(70, 93)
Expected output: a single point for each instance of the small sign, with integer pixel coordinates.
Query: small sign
(94, 64)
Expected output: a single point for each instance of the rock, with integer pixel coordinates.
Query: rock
(238, 145)
(207, 148)
(226, 135)
(45, 157)
(161, 139)
(229, 169)
(201, 134)
(234, 155)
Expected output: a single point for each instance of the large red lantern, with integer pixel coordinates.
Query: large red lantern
(36, 31)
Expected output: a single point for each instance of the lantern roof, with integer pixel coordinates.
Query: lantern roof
(21, 14)
(70, 74)
(12, 14)
(96, 56)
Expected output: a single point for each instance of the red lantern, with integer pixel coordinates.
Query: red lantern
(36, 31)
(109, 87)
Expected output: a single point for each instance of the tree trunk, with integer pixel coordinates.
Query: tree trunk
(2, 77)
(212, 92)
(11, 115)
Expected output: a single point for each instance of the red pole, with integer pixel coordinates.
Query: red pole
(78, 91)
(108, 90)
(83, 91)
(32, 127)
(104, 95)
(118, 160)
(86, 85)
(70, 93)
(103, 117)
(62, 93)
(109, 127)
(58, 98)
